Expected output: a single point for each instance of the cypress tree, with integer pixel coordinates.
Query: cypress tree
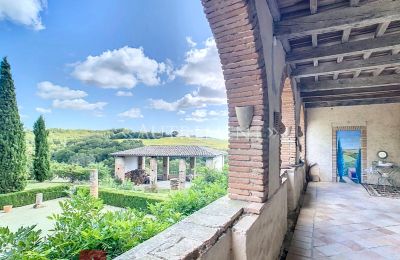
(41, 161)
(340, 161)
(13, 172)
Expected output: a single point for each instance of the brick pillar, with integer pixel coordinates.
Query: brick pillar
(153, 172)
(120, 168)
(38, 201)
(235, 26)
(182, 173)
(193, 166)
(288, 139)
(165, 168)
(94, 183)
(141, 162)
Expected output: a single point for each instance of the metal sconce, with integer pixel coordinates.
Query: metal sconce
(245, 116)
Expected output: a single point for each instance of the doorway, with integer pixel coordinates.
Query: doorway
(348, 155)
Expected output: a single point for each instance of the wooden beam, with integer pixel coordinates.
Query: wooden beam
(354, 2)
(367, 54)
(363, 82)
(346, 35)
(395, 51)
(377, 72)
(382, 94)
(286, 45)
(335, 20)
(313, 6)
(274, 9)
(369, 101)
(351, 91)
(335, 75)
(356, 74)
(381, 29)
(384, 43)
(314, 39)
(380, 62)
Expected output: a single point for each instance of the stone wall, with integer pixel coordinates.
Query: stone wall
(295, 185)
(383, 132)
(225, 229)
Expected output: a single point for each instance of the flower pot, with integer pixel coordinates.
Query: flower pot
(7, 208)
(245, 116)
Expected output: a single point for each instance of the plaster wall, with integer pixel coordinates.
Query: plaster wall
(274, 56)
(216, 163)
(131, 163)
(261, 236)
(383, 132)
(295, 184)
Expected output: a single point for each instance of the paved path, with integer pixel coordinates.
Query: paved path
(341, 221)
(28, 216)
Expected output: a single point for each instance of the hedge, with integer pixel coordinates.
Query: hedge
(22, 198)
(126, 199)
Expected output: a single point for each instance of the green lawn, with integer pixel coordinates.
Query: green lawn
(41, 185)
(208, 142)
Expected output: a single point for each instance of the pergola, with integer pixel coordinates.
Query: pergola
(132, 159)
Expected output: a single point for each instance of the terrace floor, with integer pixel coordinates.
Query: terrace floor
(341, 221)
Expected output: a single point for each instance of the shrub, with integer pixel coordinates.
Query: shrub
(126, 199)
(73, 172)
(22, 198)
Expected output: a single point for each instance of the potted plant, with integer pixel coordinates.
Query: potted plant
(7, 208)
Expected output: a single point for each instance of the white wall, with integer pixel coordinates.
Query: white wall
(131, 163)
(383, 132)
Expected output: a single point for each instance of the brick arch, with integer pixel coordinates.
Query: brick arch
(236, 31)
(288, 148)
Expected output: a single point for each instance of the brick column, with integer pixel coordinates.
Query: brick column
(288, 139)
(193, 166)
(141, 162)
(235, 26)
(165, 168)
(94, 183)
(120, 168)
(153, 172)
(182, 173)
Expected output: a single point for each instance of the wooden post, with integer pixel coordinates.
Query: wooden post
(165, 168)
(182, 173)
(94, 183)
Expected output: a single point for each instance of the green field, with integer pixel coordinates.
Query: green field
(208, 142)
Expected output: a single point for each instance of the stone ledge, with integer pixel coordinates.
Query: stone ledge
(188, 238)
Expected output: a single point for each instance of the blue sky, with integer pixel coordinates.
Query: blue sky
(100, 64)
(349, 139)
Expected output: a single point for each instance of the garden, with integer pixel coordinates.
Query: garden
(32, 164)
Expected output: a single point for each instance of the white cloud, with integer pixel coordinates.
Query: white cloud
(124, 94)
(131, 113)
(201, 115)
(190, 41)
(25, 12)
(202, 68)
(181, 112)
(120, 68)
(187, 101)
(78, 104)
(43, 110)
(48, 90)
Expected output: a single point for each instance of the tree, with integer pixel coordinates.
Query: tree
(340, 160)
(174, 133)
(41, 161)
(13, 172)
(358, 166)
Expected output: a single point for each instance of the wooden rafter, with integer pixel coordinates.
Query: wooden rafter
(364, 82)
(384, 43)
(313, 6)
(274, 9)
(368, 14)
(379, 63)
(364, 101)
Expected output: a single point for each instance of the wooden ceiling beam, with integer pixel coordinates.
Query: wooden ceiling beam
(313, 6)
(379, 63)
(354, 2)
(381, 29)
(364, 82)
(274, 9)
(384, 43)
(352, 97)
(365, 101)
(376, 12)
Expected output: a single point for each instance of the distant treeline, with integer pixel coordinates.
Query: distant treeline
(123, 133)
